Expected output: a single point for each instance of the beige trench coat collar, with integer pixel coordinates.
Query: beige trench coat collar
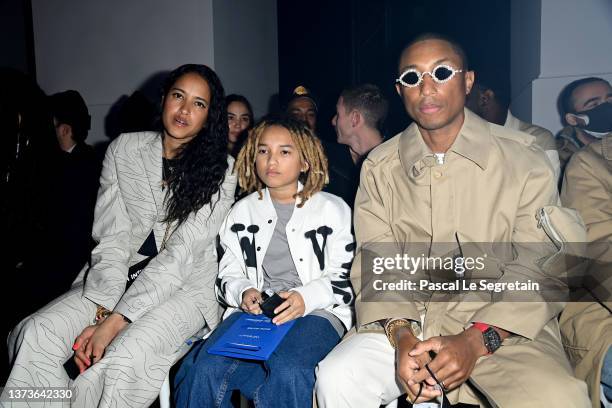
(473, 143)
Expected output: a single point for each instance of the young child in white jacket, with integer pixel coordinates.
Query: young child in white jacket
(286, 237)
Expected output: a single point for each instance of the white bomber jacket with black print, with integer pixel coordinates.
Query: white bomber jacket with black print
(321, 244)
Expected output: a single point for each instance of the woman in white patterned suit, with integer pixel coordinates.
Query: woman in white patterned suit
(150, 285)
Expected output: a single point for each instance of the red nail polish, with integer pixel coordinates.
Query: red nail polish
(75, 346)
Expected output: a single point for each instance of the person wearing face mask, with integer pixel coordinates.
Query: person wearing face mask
(586, 109)
(586, 327)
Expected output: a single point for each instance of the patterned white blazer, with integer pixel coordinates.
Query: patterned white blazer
(130, 204)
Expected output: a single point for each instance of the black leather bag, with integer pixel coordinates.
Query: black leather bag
(137, 268)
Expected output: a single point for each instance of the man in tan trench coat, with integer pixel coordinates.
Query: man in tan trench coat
(587, 327)
(451, 176)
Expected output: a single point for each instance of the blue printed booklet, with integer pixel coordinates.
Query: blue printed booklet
(251, 337)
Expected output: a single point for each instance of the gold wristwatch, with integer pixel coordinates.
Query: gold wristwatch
(393, 325)
(101, 314)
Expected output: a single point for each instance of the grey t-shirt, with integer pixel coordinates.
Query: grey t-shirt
(280, 273)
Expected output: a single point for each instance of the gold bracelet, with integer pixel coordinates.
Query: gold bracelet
(101, 314)
(392, 326)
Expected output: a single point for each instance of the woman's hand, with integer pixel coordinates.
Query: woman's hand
(292, 308)
(81, 358)
(251, 298)
(103, 335)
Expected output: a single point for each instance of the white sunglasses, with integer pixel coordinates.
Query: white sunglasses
(440, 74)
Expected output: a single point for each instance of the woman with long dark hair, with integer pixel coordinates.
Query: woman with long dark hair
(239, 120)
(149, 286)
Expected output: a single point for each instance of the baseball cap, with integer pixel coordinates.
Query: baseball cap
(301, 91)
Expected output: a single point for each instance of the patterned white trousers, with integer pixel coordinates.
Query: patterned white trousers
(134, 365)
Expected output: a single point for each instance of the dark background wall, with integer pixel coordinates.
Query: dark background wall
(16, 36)
(328, 46)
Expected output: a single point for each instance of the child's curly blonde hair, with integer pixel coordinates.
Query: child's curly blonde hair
(309, 148)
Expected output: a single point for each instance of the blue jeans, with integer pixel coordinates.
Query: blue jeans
(286, 379)
(606, 375)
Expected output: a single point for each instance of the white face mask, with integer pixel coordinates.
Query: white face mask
(596, 135)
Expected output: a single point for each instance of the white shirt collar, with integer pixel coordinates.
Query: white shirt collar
(511, 121)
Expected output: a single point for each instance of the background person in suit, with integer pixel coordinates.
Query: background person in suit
(360, 113)
(69, 185)
(490, 100)
(162, 198)
(586, 327)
